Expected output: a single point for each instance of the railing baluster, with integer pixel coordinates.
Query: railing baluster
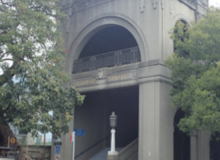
(115, 58)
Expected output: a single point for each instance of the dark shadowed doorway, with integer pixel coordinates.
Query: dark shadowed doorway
(181, 140)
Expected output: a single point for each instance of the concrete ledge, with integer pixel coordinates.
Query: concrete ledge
(122, 76)
(112, 157)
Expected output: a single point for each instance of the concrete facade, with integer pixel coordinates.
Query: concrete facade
(149, 21)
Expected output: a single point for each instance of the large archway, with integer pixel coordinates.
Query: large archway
(108, 46)
(79, 41)
(111, 46)
(181, 140)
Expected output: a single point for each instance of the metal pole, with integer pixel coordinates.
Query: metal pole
(112, 149)
(44, 139)
(74, 143)
(44, 153)
(27, 143)
(112, 141)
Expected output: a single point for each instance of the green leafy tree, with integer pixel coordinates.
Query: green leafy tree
(196, 73)
(32, 80)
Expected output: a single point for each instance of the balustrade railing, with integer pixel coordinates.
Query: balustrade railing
(110, 59)
(130, 152)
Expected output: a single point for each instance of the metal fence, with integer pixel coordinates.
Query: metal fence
(110, 59)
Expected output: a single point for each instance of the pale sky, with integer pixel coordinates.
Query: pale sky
(215, 3)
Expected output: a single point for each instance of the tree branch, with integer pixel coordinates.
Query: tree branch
(6, 59)
(7, 108)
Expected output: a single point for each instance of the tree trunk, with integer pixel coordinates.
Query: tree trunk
(5, 132)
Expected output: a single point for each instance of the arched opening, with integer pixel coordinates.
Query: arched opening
(214, 145)
(180, 34)
(181, 140)
(109, 39)
(112, 46)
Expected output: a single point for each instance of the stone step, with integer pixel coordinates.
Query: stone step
(102, 155)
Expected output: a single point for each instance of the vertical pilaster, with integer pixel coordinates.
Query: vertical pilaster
(155, 122)
(200, 146)
(193, 147)
(203, 145)
(67, 146)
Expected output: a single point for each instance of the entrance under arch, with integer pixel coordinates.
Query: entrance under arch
(93, 118)
(214, 145)
(112, 46)
(181, 140)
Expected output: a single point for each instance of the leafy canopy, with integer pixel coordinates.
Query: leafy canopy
(196, 73)
(32, 58)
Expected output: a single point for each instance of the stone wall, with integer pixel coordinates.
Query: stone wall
(38, 152)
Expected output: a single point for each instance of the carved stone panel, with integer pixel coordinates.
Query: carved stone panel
(101, 74)
(155, 3)
(142, 5)
(105, 78)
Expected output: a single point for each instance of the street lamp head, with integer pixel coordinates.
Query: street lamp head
(113, 120)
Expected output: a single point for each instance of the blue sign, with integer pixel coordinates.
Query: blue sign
(57, 150)
(79, 132)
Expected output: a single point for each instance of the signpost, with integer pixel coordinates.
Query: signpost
(12, 140)
(57, 157)
(79, 132)
(76, 132)
(57, 152)
(9, 152)
(72, 139)
(57, 145)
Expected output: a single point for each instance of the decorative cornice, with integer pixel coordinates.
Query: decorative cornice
(84, 4)
(134, 74)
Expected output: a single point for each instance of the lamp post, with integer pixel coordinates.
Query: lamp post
(113, 124)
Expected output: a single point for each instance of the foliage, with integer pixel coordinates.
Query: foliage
(32, 58)
(196, 73)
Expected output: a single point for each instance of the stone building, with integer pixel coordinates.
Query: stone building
(116, 50)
